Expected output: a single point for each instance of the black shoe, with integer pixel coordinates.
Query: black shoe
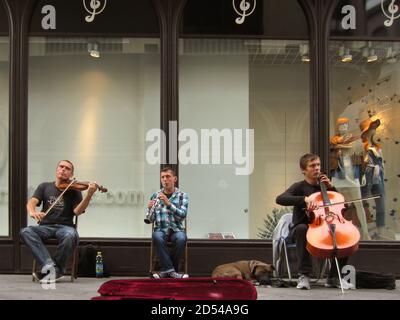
(38, 276)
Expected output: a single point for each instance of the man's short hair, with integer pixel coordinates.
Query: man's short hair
(68, 162)
(165, 169)
(306, 158)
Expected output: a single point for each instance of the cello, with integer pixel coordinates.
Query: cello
(329, 234)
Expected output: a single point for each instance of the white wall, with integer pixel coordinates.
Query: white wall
(95, 112)
(224, 92)
(214, 93)
(4, 116)
(279, 114)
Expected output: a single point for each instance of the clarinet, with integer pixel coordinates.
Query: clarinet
(150, 213)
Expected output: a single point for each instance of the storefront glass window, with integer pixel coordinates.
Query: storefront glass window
(91, 101)
(365, 135)
(243, 124)
(4, 119)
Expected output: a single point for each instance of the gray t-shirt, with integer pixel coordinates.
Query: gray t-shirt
(62, 212)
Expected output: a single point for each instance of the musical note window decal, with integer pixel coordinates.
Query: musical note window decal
(246, 9)
(392, 9)
(96, 7)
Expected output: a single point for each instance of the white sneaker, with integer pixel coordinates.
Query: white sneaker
(171, 274)
(347, 285)
(303, 283)
(162, 274)
(49, 279)
(177, 275)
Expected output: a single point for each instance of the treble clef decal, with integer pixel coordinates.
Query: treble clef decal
(392, 10)
(244, 8)
(94, 6)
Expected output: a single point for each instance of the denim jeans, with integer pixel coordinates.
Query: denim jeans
(169, 261)
(67, 237)
(374, 189)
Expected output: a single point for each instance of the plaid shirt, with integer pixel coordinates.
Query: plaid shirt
(170, 217)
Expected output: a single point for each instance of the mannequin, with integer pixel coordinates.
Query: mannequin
(346, 170)
(374, 173)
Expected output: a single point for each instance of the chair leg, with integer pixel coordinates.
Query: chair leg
(339, 275)
(151, 258)
(186, 258)
(33, 269)
(287, 261)
(324, 268)
(73, 266)
(76, 263)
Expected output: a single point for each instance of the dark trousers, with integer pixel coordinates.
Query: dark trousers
(298, 234)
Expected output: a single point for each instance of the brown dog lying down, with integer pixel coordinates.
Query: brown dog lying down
(247, 270)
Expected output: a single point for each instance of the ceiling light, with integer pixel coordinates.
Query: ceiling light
(365, 52)
(346, 56)
(93, 49)
(304, 52)
(391, 55)
(372, 56)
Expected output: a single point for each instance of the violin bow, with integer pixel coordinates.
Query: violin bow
(350, 201)
(59, 197)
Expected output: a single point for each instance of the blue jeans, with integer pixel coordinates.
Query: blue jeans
(169, 261)
(67, 240)
(373, 189)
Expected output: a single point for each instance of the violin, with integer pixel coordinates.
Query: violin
(73, 184)
(79, 185)
(329, 235)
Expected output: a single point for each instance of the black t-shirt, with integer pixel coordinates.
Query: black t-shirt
(294, 196)
(168, 195)
(62, 212)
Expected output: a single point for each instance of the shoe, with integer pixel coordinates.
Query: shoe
(162, 274)
(303, 283)
(177, 275)
(335, 283)
(48, 279)
(38, 276)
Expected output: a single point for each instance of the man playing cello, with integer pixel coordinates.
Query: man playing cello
(297, 196)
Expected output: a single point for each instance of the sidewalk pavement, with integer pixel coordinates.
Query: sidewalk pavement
(21, 287)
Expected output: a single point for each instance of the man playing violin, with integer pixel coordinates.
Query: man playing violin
(57, 223)
(297, 196)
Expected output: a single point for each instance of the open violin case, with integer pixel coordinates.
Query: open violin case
(178, 289)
